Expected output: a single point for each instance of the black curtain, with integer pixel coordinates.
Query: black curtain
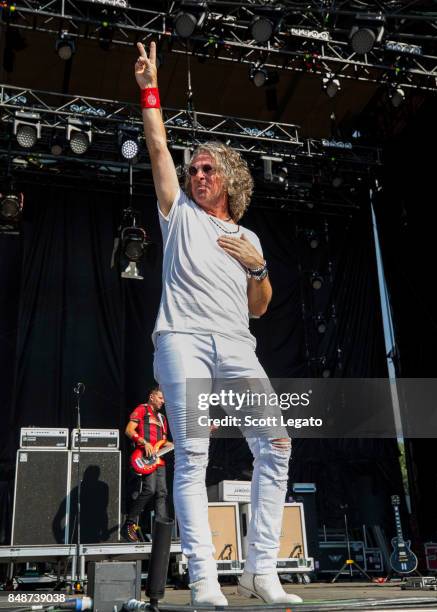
(407, 218)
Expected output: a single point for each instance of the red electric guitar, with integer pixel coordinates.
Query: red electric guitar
(146, 465)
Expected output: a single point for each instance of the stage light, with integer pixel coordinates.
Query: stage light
(331, 85)
(185, 24)
(368, 30)
(56, 145)
(27, 129)
(133, 242)
(128, 142)
(65, 46)
(11, 206)
(397, 96)
(282, 174)
(191, 16)
(326, 373)
(316, 281)
(79, 135)
(260, 76)
(261, 29)
(133, 245)
(129, 149)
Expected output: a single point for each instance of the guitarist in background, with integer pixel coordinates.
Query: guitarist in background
(146, 427)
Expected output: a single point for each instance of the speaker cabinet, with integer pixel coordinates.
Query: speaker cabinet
(334, 554)
(112, 583)
(100, 472)
(292, 542)
(225, 529)
(40, 514)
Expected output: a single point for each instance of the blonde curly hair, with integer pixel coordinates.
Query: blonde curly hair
(234, 171)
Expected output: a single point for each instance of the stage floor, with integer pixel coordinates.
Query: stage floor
(319, 595)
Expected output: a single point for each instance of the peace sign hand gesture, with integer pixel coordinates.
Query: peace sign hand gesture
(145, 67)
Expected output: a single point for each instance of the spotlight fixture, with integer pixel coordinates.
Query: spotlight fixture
(282, 174)
(65, 46)
(11, 206)
(191, 16)
(331, 85)
(261, 77)
(128, 142)
(397, 96)
(316, 281)
(367, 31)
(27, 129)
(56, 145)
(133, 243)
(261, 28)
(258, 76)
(79, 135)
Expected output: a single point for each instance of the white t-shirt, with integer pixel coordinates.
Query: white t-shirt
(204, 290)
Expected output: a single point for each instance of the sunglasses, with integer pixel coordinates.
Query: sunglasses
(206, 169)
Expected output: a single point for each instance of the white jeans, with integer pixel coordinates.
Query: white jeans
(179, 356)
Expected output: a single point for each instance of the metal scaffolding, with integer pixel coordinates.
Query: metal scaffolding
(310, 163)
(310, 37)
(184, 128)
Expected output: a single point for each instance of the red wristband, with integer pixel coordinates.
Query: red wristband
(150, 98)
(135, 437)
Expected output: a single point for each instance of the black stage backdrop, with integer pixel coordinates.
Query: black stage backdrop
(67, 317)
(408, 217)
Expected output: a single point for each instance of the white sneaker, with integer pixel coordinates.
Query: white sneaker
(207, 592)
(266, 587)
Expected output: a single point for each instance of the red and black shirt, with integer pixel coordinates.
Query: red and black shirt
(152, 426)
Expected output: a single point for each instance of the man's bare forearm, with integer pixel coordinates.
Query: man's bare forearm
(259, 294)
(154, 130)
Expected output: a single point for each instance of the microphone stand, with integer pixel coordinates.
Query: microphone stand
(78, 390)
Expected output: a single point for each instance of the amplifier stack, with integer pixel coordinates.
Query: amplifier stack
(46, 486)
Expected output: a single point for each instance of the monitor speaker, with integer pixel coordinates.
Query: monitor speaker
(112, 583)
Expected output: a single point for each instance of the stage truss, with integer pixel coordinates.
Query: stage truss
(310, 162)
(312, 37)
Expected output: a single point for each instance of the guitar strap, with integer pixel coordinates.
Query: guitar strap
(163, 423)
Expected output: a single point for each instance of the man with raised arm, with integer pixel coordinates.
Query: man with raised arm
(213, 276)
